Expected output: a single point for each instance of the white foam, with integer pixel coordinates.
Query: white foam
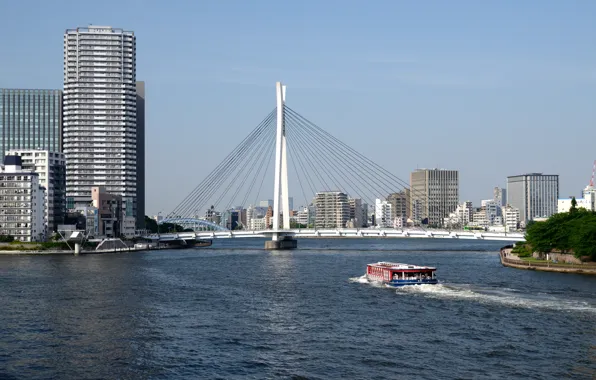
(364, 280)
(509, 297)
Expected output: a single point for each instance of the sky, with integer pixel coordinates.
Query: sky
(489, 88)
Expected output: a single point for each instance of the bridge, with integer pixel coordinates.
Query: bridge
(336, 181)
(343, 233)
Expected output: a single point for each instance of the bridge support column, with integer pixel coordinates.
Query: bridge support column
(282, 243)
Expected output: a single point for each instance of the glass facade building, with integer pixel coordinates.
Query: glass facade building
(30, 119)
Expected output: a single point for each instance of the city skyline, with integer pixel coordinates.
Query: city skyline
(476, 94)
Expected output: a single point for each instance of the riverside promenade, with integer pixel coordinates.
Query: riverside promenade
(512, 260)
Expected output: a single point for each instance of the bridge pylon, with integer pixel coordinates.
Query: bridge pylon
(280, 188)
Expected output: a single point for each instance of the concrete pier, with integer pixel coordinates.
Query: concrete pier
(282, 244)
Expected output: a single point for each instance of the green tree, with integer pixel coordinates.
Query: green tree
(573, 208)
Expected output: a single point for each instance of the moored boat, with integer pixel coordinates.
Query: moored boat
(397, 274)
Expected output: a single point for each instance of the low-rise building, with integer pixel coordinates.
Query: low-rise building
(21, 202)
(51, 167)
(511, 218)
(588, 201)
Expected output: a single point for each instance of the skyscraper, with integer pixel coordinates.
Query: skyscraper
(30, 119)
(434, 194)
(100, 115)
(534, 194)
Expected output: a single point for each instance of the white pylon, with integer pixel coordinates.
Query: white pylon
(281, 166)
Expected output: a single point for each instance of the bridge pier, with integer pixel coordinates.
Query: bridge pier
(283, 243)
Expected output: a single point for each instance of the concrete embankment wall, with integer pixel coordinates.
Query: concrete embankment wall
(509, 259)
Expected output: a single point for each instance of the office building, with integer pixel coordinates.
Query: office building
(112, 220)
(511, 218)
(100, 115)
(332, 209)
(434, 194)
(534, 194)
(21, 202)
(51, 168)
(30, 119)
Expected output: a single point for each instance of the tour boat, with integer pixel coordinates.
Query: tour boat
(396, 274)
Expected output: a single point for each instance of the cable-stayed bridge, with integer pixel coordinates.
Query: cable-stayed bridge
(317, 163)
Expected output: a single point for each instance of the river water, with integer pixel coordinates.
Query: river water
(235, 311)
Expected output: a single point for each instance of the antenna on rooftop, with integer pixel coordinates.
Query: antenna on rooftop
(593, 170)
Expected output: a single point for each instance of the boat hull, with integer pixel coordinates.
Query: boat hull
(400, 283)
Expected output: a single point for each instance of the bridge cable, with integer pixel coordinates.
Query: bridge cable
(222, 168)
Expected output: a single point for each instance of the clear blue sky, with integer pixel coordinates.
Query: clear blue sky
(491, 88)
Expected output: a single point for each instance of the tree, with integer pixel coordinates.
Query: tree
(573, 208)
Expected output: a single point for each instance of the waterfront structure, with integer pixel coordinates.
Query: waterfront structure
(500, 196)
(30, 119)
(51, 168)
(434, 194)
(588, 201)
(21, 202)
(400, 203)
(534, 194)
(332, 209)
(100, 115)
(383, 214)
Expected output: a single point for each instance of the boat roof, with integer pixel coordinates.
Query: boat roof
(399, 266)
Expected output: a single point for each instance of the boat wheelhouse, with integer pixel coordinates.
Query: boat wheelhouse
(396, 274)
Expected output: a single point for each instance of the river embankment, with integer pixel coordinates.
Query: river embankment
(512, 260)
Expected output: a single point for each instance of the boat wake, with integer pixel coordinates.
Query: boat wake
(504, 296)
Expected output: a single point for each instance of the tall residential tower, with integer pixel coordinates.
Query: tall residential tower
(100, 115)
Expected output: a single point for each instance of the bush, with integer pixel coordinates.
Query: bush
(6, 238)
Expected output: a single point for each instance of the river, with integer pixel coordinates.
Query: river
(235, 311)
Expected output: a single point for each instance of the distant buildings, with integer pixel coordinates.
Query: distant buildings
(51, 168)
(21, 202)
(534, 194)
(357, 218)
(30, 119)
(434, 195)
(332, 209)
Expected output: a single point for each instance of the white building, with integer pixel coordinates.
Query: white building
(21, 202)
(51, 168)
(511, 218)
(492, 210)
(257, 224)
(462, 215)
(302, 216)
(383, 214)
(588, 201)
(100, 115)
